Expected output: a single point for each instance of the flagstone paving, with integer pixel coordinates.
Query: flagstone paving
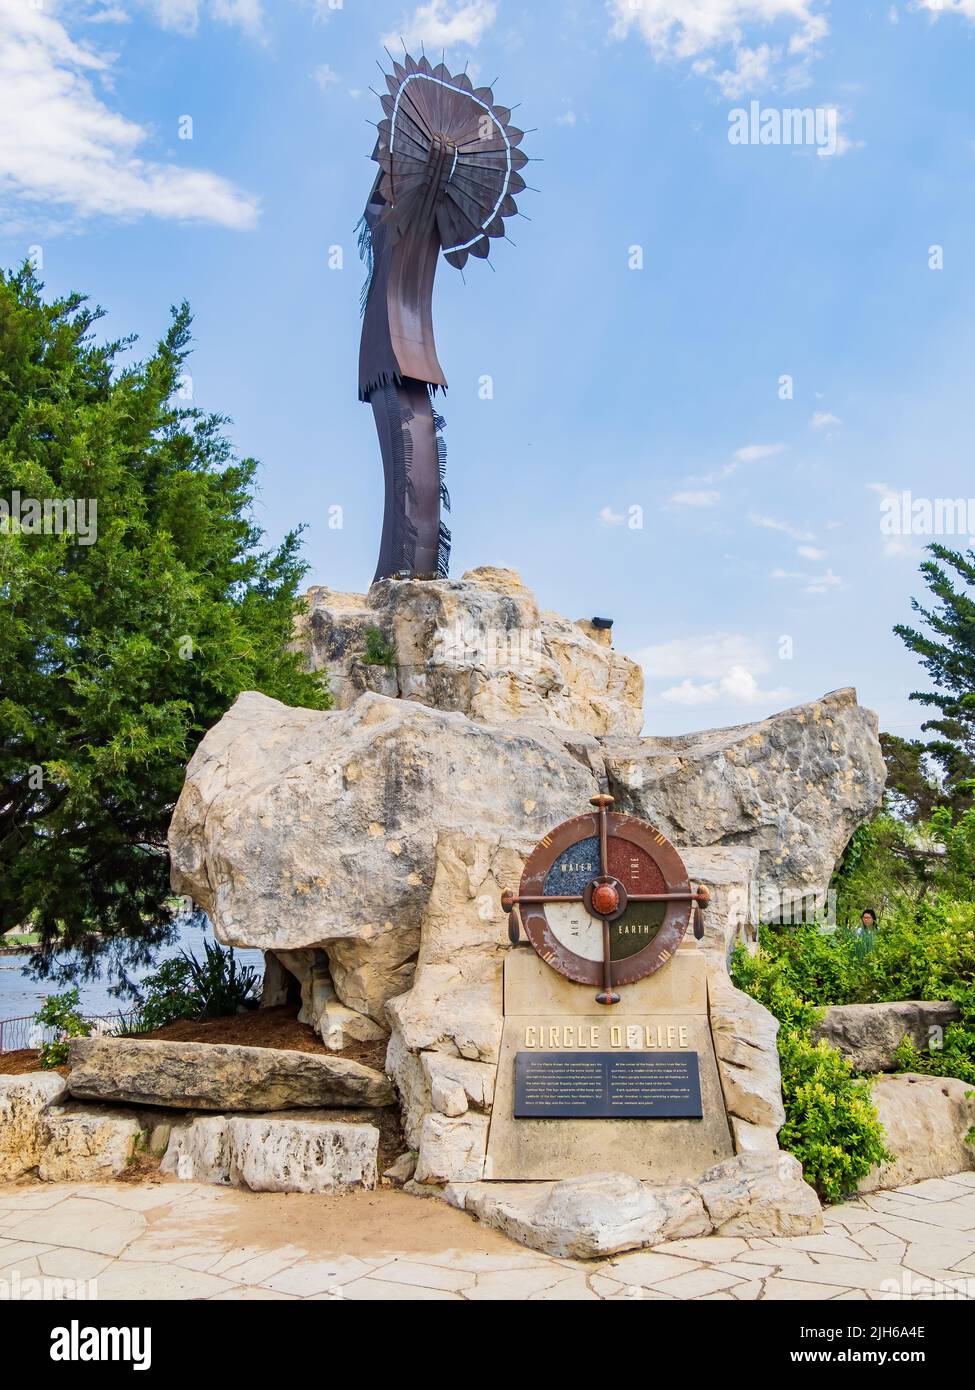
(169, 1240)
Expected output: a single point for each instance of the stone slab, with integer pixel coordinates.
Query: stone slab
(219, 1076)
(533, 989)
(656, 1150)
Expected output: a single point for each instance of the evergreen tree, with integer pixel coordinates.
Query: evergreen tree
(124, 639)
(947, 652)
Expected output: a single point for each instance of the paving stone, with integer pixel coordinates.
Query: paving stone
(707, 1249)
(515, 1283)
(574, 1289)
(750, 1291)
(310, 1277)
(428, 1276)
(795, 1290)
(379, 1290)
(151, 1282)
(81, 1224)
(698, 1284)
(831, 1244)
(260, 1266)
(647, 1267)
(255, 1294)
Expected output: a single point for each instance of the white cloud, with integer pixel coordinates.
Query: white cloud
(62, 145)
(771, 523)
(111, 14)
(567, 118)
(183, 16)
(822, 419)
(738, 687)
(325, 76)
(717, 667)
(712, 32)
(810, 552)
(751, 453)
(812, 584)
(940, 7)
(439, 24)
(824, 583)
(696, 499)
(610, 518)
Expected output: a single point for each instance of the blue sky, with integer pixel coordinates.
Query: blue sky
(614, 387)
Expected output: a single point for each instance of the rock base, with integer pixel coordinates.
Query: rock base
(302, 1152)
(925, 1120)
(606, 1213)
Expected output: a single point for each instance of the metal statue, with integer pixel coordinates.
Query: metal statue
(448, 171)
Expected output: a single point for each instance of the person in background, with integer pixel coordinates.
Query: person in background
(868, 919)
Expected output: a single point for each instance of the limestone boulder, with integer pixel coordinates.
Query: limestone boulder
(23, 1101)
(299, 829)
(219, 1076)
(926, 1120)
(274, 1154)
(586, 1217)
(869, 1034)
(452, 1148)
(478, 644)
(760, 1194)
(794, 787)
(88, 1143)
(306, 1151)
(745, 1035)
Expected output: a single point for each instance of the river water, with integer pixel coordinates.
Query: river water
(20, 995)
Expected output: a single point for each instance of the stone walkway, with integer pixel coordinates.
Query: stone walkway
(168, 1240)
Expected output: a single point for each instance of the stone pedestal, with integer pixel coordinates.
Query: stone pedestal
(665, 1013)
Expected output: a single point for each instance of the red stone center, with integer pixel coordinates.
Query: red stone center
(605, 899)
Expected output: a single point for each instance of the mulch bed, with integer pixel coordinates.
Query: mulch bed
(278, 1027)
(18, 1063)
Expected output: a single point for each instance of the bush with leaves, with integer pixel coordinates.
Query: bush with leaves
(184, 987)
(164, 997)
(60, 1013)
(831, 1123)
(222, 985)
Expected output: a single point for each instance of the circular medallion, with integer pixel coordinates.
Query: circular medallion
(605, 875)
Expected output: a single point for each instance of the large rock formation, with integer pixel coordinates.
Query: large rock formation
(365, 848)
(794, 787)
(314, 835)
(479, 645)
(301, 829)
(606, 1213)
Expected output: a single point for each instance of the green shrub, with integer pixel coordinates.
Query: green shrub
(166, 996)
(187, 988)
(220, 983)
(831, 1124)
(378, 651)
(60, 1012)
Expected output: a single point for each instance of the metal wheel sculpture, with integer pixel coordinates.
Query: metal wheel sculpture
(449, 167)
(605, 900)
